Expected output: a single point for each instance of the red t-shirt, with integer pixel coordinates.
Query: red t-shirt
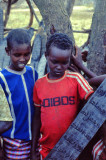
(59, 101)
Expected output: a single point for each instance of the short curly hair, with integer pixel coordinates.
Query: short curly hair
(59, 40)
(20, 36)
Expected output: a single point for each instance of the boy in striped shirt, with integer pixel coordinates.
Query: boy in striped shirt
(17, 81)
(57, 95)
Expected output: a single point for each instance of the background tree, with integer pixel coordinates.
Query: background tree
(54, 13)
(69, 6)
(57, 13)
(1, 25)
(97, 50)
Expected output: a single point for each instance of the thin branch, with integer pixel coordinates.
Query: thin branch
(34, 13)
(31, 14)
(7, 12)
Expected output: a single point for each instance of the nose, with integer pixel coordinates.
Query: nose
(22, 59)
(59, 67)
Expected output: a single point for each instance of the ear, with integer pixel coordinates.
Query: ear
(46, 55)
(7, 51)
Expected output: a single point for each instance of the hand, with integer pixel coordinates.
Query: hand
(35, 155)
(84, 55)
(73, 68)
(77, 59)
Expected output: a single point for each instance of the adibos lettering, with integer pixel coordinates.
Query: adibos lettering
(57, 101)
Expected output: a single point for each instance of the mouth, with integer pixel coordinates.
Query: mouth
(59, 72)
(21, 65)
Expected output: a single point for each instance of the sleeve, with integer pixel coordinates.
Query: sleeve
(84, 89)
(36, 100)
(4, 108)
(36, 75)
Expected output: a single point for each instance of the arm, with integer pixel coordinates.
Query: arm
(77, 59)
(35, 132)
(97, 80)
(5, 125)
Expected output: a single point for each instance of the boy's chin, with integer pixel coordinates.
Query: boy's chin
(17, 68)
(21, 67)
(59, 75)
(56, 75)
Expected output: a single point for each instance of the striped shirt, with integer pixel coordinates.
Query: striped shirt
(97, 150)
(15, 149)
(18, 88)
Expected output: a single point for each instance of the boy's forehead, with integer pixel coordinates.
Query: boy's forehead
(56, 50)
(18, 45)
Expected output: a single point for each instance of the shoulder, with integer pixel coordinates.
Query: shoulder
(41, 80)
(29, 68)
(32, 70)
(77, 78)
(74, 75)
(3, 73)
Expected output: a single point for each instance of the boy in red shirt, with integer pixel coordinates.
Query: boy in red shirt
(56, 95)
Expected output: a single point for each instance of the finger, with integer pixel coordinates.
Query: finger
(76, 50)
(73, 56)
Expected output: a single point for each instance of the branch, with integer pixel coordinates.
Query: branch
(84, 31)
(7, 12)
(31, 14)
(34, 13)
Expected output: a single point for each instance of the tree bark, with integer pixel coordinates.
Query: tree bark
(69, 6)
(54, 13)
(1, 25)
(97, 46)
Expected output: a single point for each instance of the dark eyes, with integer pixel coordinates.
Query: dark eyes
(66, 62)
(18, 55)
(27, 54)
(56, 62)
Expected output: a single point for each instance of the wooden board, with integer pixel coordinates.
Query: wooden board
(83, 128)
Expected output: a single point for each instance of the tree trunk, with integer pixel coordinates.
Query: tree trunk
(69, 6)
(97, 50)
(54, 13)
(1, 25)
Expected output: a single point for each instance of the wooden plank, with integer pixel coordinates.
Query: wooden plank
(83, 128)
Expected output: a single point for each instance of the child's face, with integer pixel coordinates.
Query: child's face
(19, 55)
(58, 61)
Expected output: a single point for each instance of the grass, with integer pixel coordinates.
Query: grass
(81, 18)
